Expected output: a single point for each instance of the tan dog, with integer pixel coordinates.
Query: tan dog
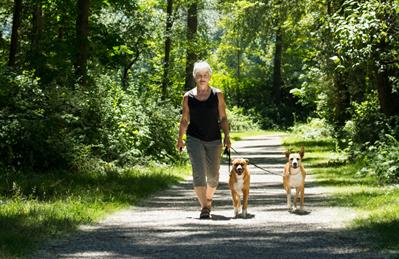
(239, 184)
(294, 176)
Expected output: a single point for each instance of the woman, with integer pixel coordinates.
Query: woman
(204, 114)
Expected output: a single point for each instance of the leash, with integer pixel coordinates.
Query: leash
(226, 151)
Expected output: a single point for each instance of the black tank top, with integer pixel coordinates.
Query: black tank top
(204, 117)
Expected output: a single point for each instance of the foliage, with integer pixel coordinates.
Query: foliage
(132, 128)
(57, 129)
(361, 50)
(382, 159)
(338, 63)
(314, 128)
(368, 129)
(378, 159)
(239, 121)
(368, 124)
(135, 127)
(31, 132)
(360, 28)
(116, 119)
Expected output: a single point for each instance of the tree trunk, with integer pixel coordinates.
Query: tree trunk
(277, 78)
(82, 33)
(192, 24)
(37, 26)
(2, 41)
(328, 7)
(239, 54)
(389, 101)
(127, 67)
(168, 46)
(16, 23)
(341, 99)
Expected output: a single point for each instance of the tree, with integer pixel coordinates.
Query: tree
(386, 68)
(191, 55)
(277, 61)
(36, 35)
(168, 46)
(15, 30)
(82, 33)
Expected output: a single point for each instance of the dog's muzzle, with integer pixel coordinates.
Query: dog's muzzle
(295, 165)
(239, 169)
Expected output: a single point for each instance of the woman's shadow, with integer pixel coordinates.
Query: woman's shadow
(217, 217)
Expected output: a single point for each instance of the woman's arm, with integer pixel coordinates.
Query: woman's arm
(184, 121)
(223, 120)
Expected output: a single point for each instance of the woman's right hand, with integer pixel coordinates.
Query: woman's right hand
(180, 144)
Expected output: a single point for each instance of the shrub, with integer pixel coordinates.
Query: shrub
(31, 133)
(368, 124)
(382, 159)
(97, 127)
(136, 127)
(240, 121)
(313, 129)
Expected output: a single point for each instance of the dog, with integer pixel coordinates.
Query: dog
(239, 180)
(294, 176)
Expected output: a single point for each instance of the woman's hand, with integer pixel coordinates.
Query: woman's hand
(227, 142)
(180, 144)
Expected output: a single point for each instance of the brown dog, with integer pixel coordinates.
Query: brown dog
(239, 184)
(294, 176)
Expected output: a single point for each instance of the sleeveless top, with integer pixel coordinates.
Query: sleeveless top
(204, 117)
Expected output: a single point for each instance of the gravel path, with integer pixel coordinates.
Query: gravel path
(167, 224)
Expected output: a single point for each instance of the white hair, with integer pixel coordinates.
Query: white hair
(200, 65)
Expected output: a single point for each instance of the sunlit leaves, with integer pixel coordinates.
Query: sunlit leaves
(361, 29)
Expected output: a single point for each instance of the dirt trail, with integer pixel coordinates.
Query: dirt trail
(167, 225)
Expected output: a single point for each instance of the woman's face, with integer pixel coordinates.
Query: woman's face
(202, 77)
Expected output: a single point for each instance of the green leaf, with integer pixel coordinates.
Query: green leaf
(335, 59)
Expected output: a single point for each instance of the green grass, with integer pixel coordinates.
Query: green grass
(377, 205)
(35, 207)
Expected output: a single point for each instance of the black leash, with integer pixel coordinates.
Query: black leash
(226, 151)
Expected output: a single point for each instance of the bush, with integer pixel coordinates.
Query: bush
(313, 129)
(31, 134)
(239, 121)
(96, 127)
(382, 159)
(135, 128)
(367, 126)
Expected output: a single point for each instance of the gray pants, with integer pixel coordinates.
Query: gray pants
(205, 161)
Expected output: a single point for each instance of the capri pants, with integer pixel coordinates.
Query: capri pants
(205, 161)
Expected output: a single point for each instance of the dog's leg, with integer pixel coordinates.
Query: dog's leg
(245, 202)
(288, 197)
(297, 191)
(236, 202)
(303, 188)
(287, 187)
(285, 181)
(238, 205)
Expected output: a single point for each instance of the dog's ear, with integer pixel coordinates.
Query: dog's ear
(247, 161)
(302, 152)
(287, 154)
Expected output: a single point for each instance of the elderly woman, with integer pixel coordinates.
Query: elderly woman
(203, 117)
